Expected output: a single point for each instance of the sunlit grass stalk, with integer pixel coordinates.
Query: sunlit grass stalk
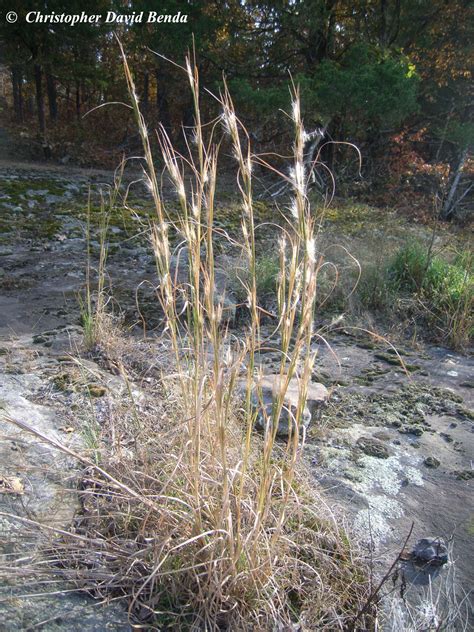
(93, 306)
(160, 233)
(297, 310)
(161, 247)
(243, 156)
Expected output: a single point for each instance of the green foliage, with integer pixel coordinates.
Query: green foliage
(418, 285)
(267, 269)
(459, 133)
(446, 283)
(376, 290)
(263, 100)
(415, 269)
(367, 88)
(409, 267)
(446, 290)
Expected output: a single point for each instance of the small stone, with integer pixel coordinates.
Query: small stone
(414, 429)
(464, 475)
(96, 391)
(387, 357)
(393, 421)
(269, 386)
(353, 476)
(372, 447)
(431, 461)
(431, 551)
(466, 412)
(63, 382)
(38, 340)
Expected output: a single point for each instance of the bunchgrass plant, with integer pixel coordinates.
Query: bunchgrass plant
(444, 290)
(197, 520)
(93, 301)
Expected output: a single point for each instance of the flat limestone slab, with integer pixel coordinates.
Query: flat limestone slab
(266, 391)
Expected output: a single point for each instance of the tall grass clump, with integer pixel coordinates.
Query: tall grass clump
(376, 291)
(93, 301)
(444, 290)
(198, 521)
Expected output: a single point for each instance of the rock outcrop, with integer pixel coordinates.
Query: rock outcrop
(266, 391)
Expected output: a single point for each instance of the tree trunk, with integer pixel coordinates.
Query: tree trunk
(30, 105)
(162, 102)
(78, 101)
(146, 91)
(320, 39)
(17, 84)
(449, 208)
(383, 23)
(21, 103)
(38, 73)
(16, 89)
(52, 96)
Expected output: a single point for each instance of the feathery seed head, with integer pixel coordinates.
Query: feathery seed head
(296, 112)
